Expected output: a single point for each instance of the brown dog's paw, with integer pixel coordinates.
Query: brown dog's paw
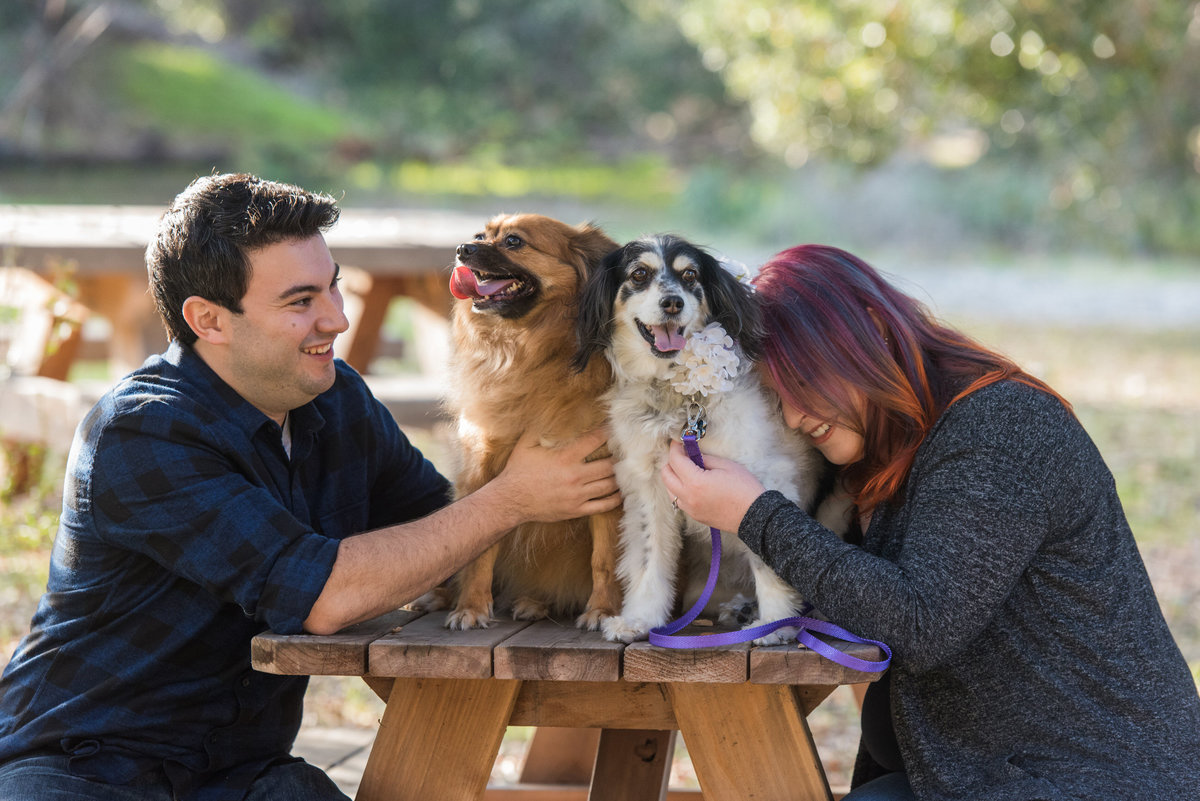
(462, 619)
(436, 599)
(591, 619)
(525, 608)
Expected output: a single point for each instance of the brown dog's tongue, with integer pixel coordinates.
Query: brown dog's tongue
(667, 339)
(462, 283)
(465, 286)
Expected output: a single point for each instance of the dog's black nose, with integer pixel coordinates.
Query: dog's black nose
(466, 249)
(671, 304)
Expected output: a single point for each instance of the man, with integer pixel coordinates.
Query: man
(220, 490)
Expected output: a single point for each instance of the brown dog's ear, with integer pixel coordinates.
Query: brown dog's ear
(592, 245)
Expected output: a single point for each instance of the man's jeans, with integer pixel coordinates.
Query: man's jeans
(46, 778)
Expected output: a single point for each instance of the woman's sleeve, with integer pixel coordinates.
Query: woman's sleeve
(975, 518)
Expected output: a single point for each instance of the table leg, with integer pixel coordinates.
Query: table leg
(438, 739)
(749, 741)
(560, 756)
(367, 300)
(380, 685)
(633, 765)
(136, 330)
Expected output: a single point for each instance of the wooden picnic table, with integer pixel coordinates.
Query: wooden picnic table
(383, 252)
(451, 695)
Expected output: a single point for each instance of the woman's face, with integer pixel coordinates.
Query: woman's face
(839, 444)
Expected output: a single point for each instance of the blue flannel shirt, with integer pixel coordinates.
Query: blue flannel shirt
(185, 531)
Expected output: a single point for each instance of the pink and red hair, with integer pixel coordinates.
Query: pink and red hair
(835, 325)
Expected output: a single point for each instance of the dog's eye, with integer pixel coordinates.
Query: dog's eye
(513, 241)
(640, 275)
(689, 276)
(480, 237)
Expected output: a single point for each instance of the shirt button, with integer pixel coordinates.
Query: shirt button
(245, 681)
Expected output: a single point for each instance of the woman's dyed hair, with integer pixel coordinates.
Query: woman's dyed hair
(834, 324)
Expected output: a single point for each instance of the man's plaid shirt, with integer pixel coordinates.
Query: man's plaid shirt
(185, 531)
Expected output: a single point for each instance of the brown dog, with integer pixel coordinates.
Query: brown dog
(514, 337)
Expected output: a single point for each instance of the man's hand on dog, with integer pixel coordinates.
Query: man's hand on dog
(548, 484)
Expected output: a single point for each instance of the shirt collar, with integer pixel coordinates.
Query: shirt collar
(227, 402)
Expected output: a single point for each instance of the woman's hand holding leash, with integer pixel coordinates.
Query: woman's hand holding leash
(717, 496)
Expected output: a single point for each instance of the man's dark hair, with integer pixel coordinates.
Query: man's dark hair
(204, 237)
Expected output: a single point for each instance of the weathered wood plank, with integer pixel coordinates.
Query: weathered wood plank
(341, 654)
(426, 649)
(558, 652)
(725, 663)
(796, 664)
(603, 704)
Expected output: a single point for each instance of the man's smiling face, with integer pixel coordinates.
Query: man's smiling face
(281, 351)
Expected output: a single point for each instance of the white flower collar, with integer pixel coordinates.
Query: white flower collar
(708, 363)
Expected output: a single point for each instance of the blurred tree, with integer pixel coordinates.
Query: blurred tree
(446, 78)
(1094, 99)
(1102, 90)
(53, 37)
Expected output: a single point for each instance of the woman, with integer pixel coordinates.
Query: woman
(1031, 659)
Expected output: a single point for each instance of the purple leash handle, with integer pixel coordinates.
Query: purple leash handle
(665, 636)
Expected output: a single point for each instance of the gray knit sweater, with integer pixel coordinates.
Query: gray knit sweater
(1032, 660)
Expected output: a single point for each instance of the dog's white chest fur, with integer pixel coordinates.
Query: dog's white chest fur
(741, 425)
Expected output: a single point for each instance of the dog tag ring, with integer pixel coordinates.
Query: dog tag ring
(696, 424)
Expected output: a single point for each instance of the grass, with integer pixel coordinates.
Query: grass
(191, 89)
(1138, 395)
(27, 525)
(648, 182)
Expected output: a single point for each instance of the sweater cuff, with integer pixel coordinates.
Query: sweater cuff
(757, 520)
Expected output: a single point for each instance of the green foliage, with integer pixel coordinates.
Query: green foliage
(191, 89)
(1103, 92)
(1078, 121)
(551, 79)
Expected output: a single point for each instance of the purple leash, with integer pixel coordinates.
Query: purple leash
(666, 637)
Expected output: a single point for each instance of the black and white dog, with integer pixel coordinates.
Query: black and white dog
(651, 309)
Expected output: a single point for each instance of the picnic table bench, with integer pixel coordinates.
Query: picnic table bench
(384, 253)
(450, 695)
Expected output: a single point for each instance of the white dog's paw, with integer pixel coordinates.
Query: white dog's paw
(738, 611)
(621, 629)
(777, 637)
